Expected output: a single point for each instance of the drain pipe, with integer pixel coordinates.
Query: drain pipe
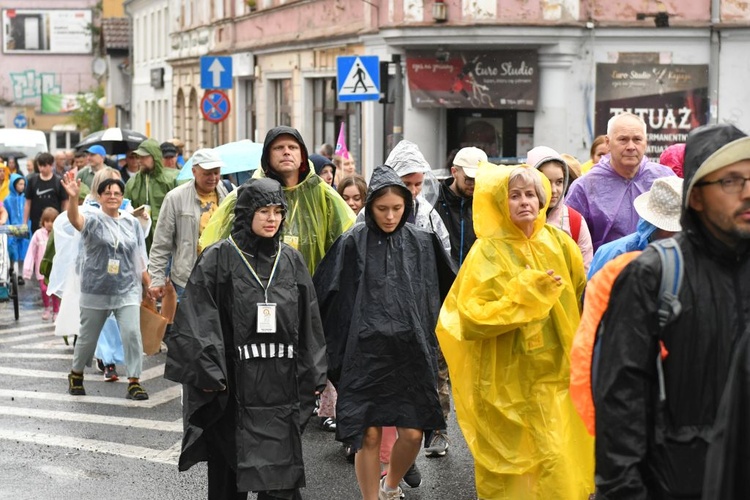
(714, 63)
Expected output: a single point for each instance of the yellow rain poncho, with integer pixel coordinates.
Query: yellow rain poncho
(316, 217)
(506, 332)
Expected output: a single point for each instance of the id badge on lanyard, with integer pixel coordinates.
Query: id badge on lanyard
(266, 318)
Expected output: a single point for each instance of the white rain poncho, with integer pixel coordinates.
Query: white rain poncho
(109, 244)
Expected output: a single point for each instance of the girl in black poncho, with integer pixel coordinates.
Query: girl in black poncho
(380, 289)
(248, 346)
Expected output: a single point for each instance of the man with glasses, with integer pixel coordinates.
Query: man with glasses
(652, 437)
(184, 215)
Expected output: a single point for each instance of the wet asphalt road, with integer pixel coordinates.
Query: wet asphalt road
(55, 446)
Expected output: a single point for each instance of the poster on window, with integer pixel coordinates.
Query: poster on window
(59, 31)
(465, 79)
(671, 98)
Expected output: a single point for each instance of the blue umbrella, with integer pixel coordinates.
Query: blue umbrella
(240, 156)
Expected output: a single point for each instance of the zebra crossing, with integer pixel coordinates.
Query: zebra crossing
(36, 409)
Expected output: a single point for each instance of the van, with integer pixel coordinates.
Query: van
(24, 143)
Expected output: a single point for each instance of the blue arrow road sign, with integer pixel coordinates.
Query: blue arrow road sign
(358, 78)
(20, 121)
(216, 72)
(215, 106)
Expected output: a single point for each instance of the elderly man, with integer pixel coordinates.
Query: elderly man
(317, 215)
(61, 162)
(654, 419)
(184, 215)
(604, 196)
(96, 156)
(152, 182)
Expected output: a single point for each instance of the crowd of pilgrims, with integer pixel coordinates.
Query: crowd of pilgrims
(372, 306)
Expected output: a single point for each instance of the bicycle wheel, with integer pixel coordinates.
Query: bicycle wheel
(14, 290)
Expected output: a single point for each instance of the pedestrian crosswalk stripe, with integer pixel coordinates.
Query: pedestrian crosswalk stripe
(36, 355)
(151, 373)
(26, 336)
(154, 399)
(140, 423)
(28, 328)
(168, 456)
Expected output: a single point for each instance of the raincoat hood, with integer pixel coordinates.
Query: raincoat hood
(152, 147)
(13, 179)
(252, 195)
(674, 157)
(383, 177)
(491, 210)
(407, 159)
(265, 159)
(320, 161)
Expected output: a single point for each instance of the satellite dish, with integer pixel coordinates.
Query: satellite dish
(99, 67)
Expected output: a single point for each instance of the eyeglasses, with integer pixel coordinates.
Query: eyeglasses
(730, 185)
(111, 194)
(268, 213)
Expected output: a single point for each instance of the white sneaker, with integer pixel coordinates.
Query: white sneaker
(389, 495)
(47, 314)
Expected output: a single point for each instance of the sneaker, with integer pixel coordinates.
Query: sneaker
(75, 385)
(110, 374)
(329, 424)
(413, 478)
(388, 495)
(99, 365)
(47, 314)
(438, 445)
(136, 392)
(21, 281)
(54, 317)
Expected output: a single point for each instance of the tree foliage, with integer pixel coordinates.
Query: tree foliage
(89, 117)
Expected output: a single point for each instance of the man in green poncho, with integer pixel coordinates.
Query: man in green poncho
(316, 214)
(152, 182)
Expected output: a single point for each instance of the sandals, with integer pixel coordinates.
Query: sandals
(136, 392)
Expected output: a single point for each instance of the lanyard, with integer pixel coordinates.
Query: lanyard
(252, 271)
(116, 241)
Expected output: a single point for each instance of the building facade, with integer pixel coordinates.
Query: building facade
(504, 75)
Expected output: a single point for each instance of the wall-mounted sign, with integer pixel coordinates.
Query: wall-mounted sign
(464, 79)
(671, 98)
(157, 78)
(58, 31)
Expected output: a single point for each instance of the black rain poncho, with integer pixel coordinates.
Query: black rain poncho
(270, 377)
(380, 295)
(645, 448)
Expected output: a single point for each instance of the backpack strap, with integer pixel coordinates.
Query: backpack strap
(575, 223)
(672, 271)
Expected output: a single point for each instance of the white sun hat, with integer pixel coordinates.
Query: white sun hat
(662, 204)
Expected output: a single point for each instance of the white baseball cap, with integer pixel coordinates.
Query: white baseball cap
(207, 159)
(469, 159)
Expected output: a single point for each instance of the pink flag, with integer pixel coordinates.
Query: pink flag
(341, 149)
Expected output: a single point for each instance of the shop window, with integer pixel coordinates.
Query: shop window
(328, 113)
(283, 102)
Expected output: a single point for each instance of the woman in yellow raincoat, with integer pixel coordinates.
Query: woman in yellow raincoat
(506, 329)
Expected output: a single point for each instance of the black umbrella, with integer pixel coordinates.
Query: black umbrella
(11, 153)
(115, 140)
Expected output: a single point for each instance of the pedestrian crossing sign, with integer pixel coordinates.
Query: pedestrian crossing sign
(358, 78)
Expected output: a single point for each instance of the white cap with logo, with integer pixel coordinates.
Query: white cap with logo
(469, 159)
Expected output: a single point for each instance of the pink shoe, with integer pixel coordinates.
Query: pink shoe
(47, 314)
(54, 317)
